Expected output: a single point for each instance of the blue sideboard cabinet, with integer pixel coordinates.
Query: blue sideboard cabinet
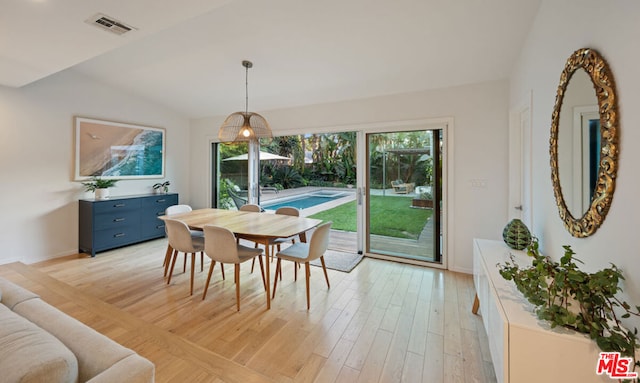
(120, 221)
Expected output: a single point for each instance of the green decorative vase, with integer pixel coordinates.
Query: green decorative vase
(516, 235)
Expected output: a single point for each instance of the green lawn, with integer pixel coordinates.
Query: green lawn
(390, 216)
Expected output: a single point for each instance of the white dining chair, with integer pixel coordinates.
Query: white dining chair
(181, 240)
(177, 209)
(304, 253)
(220, 245)
(276, 242)
(251, 207)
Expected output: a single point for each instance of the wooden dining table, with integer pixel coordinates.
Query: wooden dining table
(259, 227)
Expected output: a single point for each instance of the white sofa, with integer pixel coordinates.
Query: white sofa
(39, 343)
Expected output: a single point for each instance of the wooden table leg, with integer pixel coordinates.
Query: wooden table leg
(268, 272)
(476, 305)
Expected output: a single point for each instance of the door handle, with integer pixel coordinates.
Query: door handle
(519, 207)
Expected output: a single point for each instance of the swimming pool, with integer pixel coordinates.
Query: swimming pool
(305, 201)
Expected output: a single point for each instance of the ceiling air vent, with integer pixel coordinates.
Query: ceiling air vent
(110, 24)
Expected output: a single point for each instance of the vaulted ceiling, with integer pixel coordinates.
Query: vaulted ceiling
(187, 54)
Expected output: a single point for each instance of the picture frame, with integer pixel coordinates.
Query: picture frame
(117, 150)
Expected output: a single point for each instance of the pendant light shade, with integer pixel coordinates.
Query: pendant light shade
(244, 126)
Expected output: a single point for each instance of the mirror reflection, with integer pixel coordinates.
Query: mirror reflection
(579, 143)
(583, 146)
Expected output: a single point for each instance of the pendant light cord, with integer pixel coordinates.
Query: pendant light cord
(246, 90)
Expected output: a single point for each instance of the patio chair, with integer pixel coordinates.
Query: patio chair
(237, 200)
(268, 188)
(400, 187)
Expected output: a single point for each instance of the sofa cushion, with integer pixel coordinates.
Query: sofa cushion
(13, 294)
(94, 351)
(30, 354)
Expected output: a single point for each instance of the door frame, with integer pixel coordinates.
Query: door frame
(447, 223)
(446, 124)
(520, 161)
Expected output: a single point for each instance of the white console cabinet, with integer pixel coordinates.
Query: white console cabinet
(523, 348)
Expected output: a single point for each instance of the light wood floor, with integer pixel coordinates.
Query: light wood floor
(383, 322)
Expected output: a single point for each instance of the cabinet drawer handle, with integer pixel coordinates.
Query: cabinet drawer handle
(159, 213)
(119, 220)
(120, 205)
(161, 200)
(160, 227)
(119, 235)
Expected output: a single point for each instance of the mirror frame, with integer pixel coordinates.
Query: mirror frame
(602, 80)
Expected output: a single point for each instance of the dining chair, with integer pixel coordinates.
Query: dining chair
(251, 207)
(181, 240)
(177, 209)
(220, 245)
(276, 242)
(302, 252)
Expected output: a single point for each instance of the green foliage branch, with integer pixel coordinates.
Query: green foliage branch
(98, 183)
(164, 186)
(568, 297)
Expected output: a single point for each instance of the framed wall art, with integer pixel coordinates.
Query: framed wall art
(109, 149)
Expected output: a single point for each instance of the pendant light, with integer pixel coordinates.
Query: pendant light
(244, 126)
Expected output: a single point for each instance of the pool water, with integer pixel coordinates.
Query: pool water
(304, 201)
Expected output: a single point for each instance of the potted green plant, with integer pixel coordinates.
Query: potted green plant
(565, 296)
(423, 199)
(162, 187)
(100, 186)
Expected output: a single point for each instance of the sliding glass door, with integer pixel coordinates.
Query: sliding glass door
(404, 195)
(383, 190)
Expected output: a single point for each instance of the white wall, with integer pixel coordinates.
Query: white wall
(480, 116)
(610, 27)
(38, 200)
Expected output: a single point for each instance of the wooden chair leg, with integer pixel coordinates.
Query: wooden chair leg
(202, 261)
(206, 286)
(476, 305)
(324, 268)
(184, 267)
(295, 271)
(264, 281)
(193, 266)
(275, 280)
(222, 270)
(173, 263)
(237, 269)
(272, 252)
(168, 257)
(308, 274)
(253, 263)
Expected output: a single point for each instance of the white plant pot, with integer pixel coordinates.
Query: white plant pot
(102, 194)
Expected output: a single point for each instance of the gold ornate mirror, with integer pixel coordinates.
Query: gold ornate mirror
(584, 142)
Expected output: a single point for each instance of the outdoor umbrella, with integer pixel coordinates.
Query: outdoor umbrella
(264, 156)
